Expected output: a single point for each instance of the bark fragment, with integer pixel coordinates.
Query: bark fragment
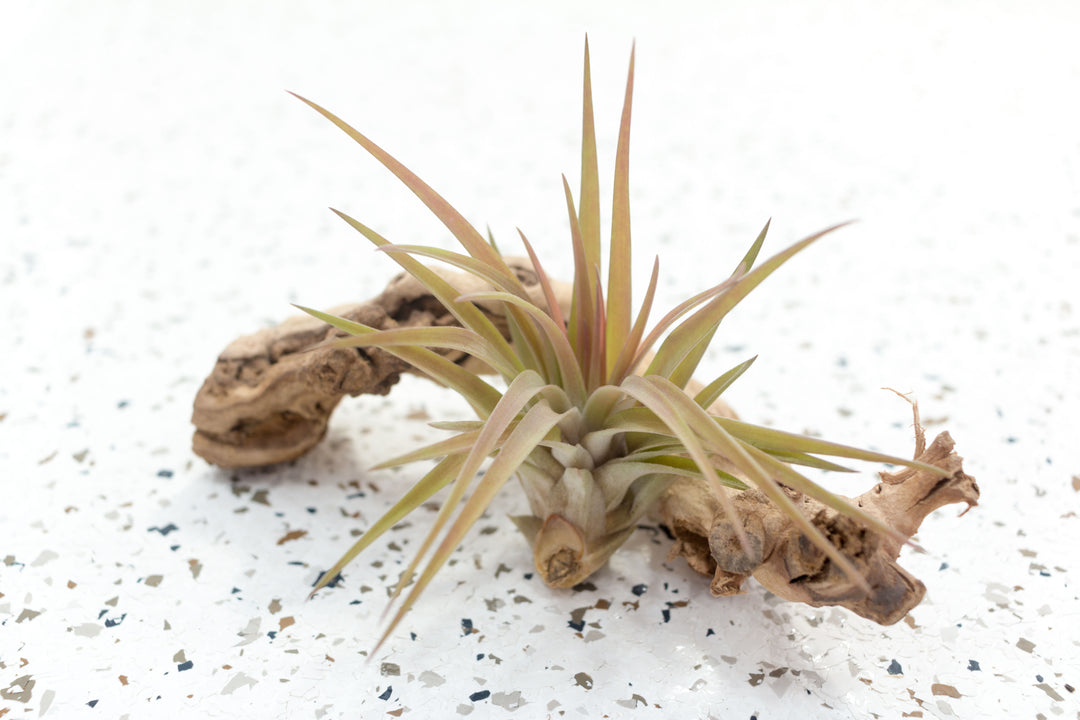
(270, 395)
(787, 563)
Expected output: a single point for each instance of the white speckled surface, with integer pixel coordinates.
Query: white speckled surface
(160, 194)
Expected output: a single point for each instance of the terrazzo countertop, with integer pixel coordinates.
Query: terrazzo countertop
(160, 195)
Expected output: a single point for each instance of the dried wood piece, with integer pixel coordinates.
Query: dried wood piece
(789, 565)
(270, 395)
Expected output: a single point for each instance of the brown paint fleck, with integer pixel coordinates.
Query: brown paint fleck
(396, 713)
(1054, 695)
(27, 614)
(942, 689)
(602, 604)
(111, 602)
(633, 701)
(275, 606)
(179, 657)
(123, 680)
(756, 679)
(196, 567)
(1076, 482)
(261, 496)
(292, 535)
(71, 585)
(583, 680)
(154, 580)
(1025, 645)
(285, 622)
(26, 689)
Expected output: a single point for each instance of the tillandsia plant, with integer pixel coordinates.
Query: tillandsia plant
(596, 420)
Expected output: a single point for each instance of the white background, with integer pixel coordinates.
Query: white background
(160, 194)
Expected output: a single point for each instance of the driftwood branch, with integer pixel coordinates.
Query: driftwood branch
(784, 560)
(271, 394)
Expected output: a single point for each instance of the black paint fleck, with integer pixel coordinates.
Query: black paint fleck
(338, 579)
(174, 548)
(185, 666)
(163, 530)
(355, 602)
(117, 621)
(386, 693)
(639, 590)
(944, 566)
(1039, 678)
(480, 656)
(311, 510)
(973, 665)
(895, 669)
(578, 626)
(480, 695)
(92, 703)
(412, 636)
(667, 614)
(164, 473)
(466, 626)
(709, 632)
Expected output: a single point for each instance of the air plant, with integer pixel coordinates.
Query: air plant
(596, 420)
